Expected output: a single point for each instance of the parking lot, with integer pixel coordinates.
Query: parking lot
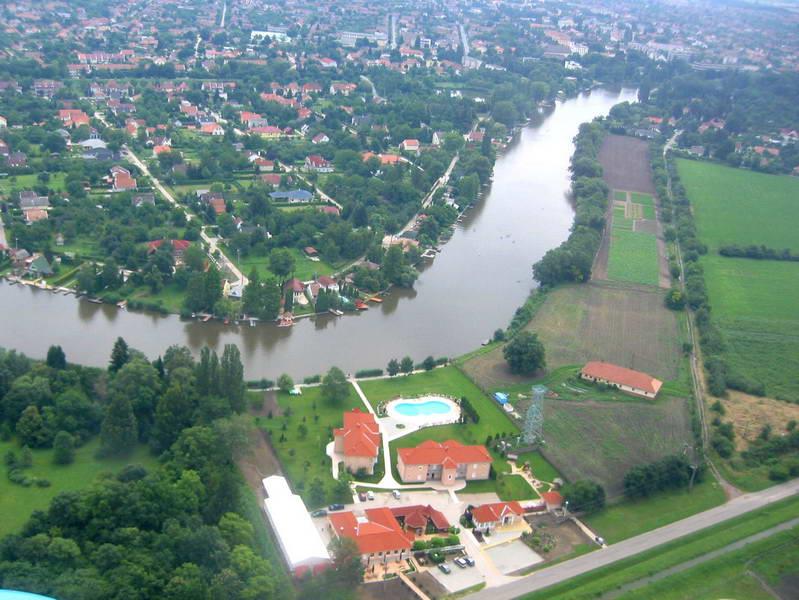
(459, 579)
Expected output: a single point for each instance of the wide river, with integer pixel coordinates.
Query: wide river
(472, 288)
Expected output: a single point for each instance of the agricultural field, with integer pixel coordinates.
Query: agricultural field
(603, 440)
(18, 502)
(596, 321)
(754, 301)
(633, 257)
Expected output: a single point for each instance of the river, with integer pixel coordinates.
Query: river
(472, 287)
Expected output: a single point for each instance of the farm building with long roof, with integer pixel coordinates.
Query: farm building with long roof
(622, 378)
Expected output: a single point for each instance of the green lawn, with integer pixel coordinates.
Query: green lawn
(606, 579)
(633, 257)
(18, 502)
(303, 457)
(620, 195)
(736, 206)
(754, 301)
(26, 182)
(170, 297)
(305, 268)
(649, 212)
(628, 518)
(732, 575)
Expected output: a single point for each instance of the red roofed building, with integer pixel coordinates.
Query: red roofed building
(445, 462)
(626, 380)
(123, 182)
(499, 514)
(358, 441)
(421, 520)
(73, 117)
(314, 162)
(552, 500)
(410, 146)
(378, 535)
(179, 247)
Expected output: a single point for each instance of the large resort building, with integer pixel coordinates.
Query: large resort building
(358, 441)
(446, 462)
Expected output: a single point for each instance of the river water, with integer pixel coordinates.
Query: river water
(471, 288)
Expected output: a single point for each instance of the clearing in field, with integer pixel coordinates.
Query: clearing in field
(754, 301)
(603, 440)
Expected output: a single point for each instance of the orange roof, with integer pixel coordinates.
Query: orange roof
(449, 454)
(418, 515)
(491, 513)
(361, 434)
(622, 376)
(377, 531)
(552, 499)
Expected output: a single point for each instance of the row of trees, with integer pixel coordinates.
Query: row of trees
(572, 260)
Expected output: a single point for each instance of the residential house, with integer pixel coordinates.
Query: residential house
(17, 160)
(438, 138)
(314, 162)
(328, 63)
(421, 520)
(215, 200)
(179, 247)
(4, 149)
(626, 380)
(292, 196)
(38, 266)
(122, 180)
(412, 146)
(320, 138)
(30, 199)
(73, 117)
(3, 122)
(447, 462)
(263, 165)
(297, 289)
(345, 89)
(271, 179)
(376, 533)
(498, 514)
(552, 500)
(34, 214)
(212, 129)
(358, 440)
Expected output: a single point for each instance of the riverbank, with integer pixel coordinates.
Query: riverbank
(480, 280)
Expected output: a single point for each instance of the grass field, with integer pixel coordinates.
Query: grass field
(303, 457)
(754, 301)
(17, 502)
(305, 267)
(603, 440)
(735, 575)
(644, 199)
(26, 182)
(736, 206)
(627, 519)
(608, 579)
(633, 257)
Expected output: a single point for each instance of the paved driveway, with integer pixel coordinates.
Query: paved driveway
(513, 556)
(459, 579)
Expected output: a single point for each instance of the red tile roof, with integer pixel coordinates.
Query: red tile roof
(378, 531)
(360, 432)
(418, 516)
(622, 376)
(448, 454)
(491, 513)
(554, 499)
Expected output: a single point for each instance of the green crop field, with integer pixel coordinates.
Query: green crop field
(735, 206)
(18, 502)
(754, 301)
(620, 195)
(633, 257)
(649, 212)
(644, 199)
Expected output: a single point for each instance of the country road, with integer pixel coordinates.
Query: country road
(635, 545)
(212, 242)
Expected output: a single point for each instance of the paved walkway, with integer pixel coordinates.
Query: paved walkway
(583, 564)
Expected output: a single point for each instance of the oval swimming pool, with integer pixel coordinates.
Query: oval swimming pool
(429, 407)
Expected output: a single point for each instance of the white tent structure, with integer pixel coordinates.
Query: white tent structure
(299, 540)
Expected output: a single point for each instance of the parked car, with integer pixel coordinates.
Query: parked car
(396, 494)
(599, 540)
(333, 507)
(461, 562)
(444, 568)
(469, 560)
(370, 495)
(319, 513)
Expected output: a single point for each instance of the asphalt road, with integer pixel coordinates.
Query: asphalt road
(641, 543)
